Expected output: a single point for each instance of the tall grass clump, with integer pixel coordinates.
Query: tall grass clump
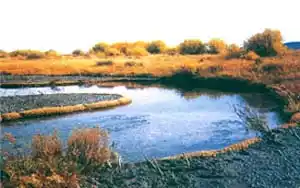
(252, 119)
(267, 43)
(51, 165)
(89, 146)
(192, 47)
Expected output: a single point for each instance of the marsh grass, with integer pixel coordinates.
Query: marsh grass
(252, 119)
(50, 165)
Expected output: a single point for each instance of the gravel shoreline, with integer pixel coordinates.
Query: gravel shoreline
(20, 103)
(273, 162)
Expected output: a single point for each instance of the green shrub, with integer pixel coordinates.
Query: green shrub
(78, 52)
(191, 47)
(100, 47)
(216, 46)
(156, 47)
(267, 43)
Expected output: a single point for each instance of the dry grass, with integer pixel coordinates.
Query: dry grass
(213, 153)
(296, 118)
(47, 111)
(89, 146)
(53, 110)
(11, 116)
(46, 147)
(51, 166)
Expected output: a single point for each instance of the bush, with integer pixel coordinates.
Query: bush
(191, 47)
(121, 46)
(100, 47)
(46, 147)
(156, 47)
(137, 51)
(51, 53)
(28, 54)
(50, 165)
(112, 52)
(89, 146)
(78, 52)
(251, 56)
(267, 43)
(233, 51)
(216, 46)
(3, 54)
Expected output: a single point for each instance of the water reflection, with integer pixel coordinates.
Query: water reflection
(160, 122)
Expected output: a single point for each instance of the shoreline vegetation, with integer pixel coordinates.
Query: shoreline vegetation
(262, 61)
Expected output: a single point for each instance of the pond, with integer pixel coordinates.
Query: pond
(159, 122)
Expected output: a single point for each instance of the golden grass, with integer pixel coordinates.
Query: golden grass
(89, 145)
(11, 116)
(46, 111)
(213, 153)
(51, 166)
(53, 110)
(46, 147)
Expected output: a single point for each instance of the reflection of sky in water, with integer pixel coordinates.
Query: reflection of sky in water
(159, 122)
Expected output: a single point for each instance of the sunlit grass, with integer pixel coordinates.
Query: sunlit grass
(50, 165)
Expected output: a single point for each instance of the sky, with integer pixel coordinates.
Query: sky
(65, 25)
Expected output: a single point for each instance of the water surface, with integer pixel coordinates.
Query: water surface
(160, 122)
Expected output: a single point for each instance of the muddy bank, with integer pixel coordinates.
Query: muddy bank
(16, 81)
(273, 162)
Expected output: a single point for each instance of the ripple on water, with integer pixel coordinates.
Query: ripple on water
(158, 123)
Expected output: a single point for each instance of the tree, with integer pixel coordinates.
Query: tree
(267, 43)
(78, 52)
(191, 47)
(156, 47)
(216, 46)
(100, 47)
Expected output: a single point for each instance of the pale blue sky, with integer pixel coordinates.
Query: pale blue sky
(68, 24)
